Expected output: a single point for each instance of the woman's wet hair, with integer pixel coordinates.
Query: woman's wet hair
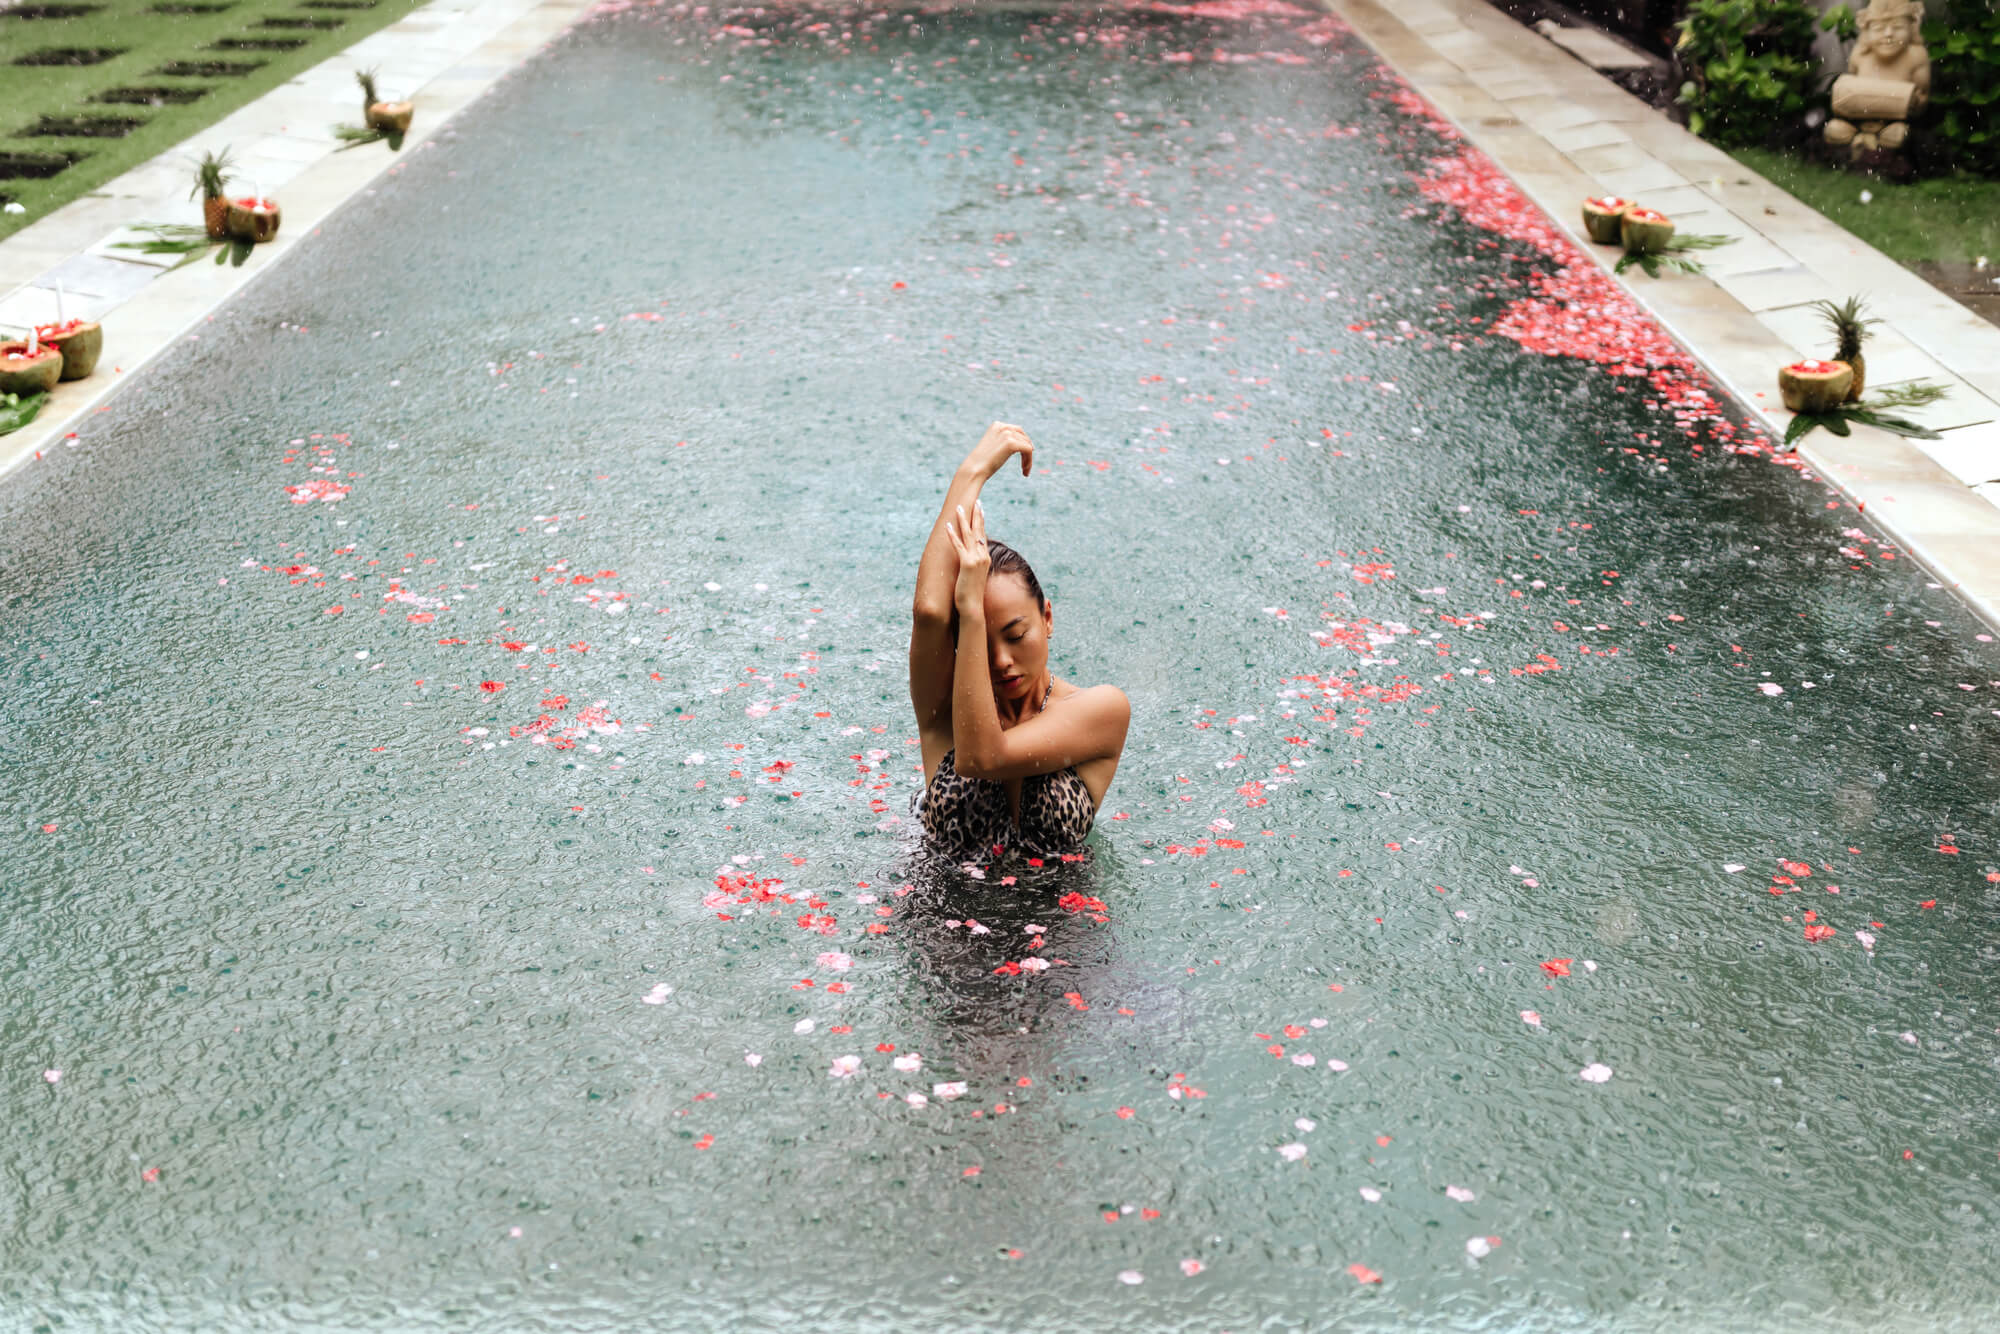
(1006, 560)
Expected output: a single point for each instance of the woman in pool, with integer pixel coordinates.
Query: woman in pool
(1013, 758)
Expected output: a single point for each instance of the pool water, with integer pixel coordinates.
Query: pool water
(458, 865)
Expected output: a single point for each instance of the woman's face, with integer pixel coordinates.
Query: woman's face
(1017, 636)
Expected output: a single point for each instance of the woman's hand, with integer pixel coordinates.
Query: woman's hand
(1001, 442)
(968, 539)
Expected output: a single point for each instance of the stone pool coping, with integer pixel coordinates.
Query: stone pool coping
(441, 56)
(1558, 128)
(1564, 132)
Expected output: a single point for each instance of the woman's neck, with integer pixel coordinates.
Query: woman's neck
(1015, 712)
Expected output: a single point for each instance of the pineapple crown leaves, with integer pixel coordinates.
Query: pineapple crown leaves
(211, 174)
(366, 78)
(1846, 322)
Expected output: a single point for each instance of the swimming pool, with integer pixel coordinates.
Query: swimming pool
(458, 756)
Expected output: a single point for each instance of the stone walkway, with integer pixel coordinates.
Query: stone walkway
(441, 57)
(1565, 132)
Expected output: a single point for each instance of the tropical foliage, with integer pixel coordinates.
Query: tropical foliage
(1964, 44)
(1748, 67)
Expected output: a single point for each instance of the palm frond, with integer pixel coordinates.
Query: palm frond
(1804, 422)
(1898, 425)
(1916, 394)
(15, 415)
(168, 237)
(171, 238)
(356, 135)
(163, 247)
(1670, 255)
(178, 238)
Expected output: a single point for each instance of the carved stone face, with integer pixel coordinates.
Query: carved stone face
(1887, 37)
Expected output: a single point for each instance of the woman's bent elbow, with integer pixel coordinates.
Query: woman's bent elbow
(972, 765)
(925, 613)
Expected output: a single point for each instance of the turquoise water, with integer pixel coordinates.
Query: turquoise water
(380, 999)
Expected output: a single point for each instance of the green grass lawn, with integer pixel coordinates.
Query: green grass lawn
(1950, 220)
(95, 87)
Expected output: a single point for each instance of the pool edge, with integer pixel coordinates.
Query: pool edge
(495, 38)
(1949, 523)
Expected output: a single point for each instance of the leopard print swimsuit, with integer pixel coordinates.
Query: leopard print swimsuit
(966, 819)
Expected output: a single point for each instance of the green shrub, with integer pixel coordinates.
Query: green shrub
(1964, 44)
(1748, 67)
(1841, 22)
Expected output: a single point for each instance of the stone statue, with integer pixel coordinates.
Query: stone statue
(1888, 79)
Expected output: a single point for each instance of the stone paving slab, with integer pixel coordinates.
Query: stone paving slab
(1563, 131)
(283, 141)
(1598, 50)
(1772, 288)
(1590, 134)
(1969, 453)
(113, 280)
(1641, 178)
(1951, 414)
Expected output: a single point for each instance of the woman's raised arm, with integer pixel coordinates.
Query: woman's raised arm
(937, 574)
(1091, 724)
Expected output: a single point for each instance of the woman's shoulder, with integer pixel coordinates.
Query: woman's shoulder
(1104, 698)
